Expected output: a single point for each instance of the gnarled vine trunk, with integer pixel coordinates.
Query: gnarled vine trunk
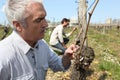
(85, 55)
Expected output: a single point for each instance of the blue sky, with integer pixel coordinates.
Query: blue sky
(58, 9)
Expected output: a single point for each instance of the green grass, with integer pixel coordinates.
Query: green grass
(106, 45)
(2, 31)
(112, 69)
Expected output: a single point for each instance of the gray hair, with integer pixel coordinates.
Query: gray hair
(16, 10)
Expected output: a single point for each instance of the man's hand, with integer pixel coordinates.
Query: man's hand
(70, 51)
(74, 29)
(68, 55)
(63, 44)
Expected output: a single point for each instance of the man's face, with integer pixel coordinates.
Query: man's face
(66, 23)
(36, 23)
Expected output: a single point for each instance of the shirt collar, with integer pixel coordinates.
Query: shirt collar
(20, 43)
(37, 45)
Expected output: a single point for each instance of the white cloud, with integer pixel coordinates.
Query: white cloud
(3, 8)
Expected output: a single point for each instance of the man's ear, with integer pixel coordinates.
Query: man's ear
(17, 25)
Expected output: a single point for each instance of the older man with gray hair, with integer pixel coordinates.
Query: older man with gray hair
(24, 54)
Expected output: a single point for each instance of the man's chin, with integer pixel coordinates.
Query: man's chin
(41, 37)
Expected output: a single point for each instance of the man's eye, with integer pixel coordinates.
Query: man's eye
(39, 20)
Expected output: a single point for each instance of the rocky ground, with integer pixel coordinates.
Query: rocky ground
(91, 75)
(58, 75)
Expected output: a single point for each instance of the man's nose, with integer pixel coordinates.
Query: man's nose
(45, 23)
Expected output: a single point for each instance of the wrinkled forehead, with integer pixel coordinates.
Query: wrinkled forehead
(35, 7)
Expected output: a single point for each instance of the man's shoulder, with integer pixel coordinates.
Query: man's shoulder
(6, 47)
(43, 46)
(6, 51)
(60, 26)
